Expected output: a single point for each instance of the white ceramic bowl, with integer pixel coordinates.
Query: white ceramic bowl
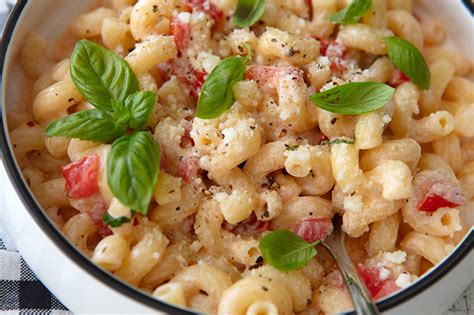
(85, 288)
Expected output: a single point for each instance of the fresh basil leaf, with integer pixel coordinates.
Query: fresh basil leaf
(139, 105)
(101, 75)
(409, 60)
(132, 170)
(217, 95)
(248, 12)
(354, 98)
(337, 141)
(90, 124)
(114, 222)
(286, 251)
(352, 13)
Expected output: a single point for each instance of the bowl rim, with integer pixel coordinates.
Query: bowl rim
(38, 215)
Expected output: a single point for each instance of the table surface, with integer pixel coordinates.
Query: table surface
(463, 305)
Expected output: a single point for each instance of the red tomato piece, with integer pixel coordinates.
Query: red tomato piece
(196, 83)
(371, 278)
(81, 177)
(313, 229)
(388, 287)
(209, 8)
(338, 65)
(188, 168)
(187, 75)
(439, 195)
(397, 78)
(186, 140)
(268, 77)
(336, 52)
(431, 202)
(181, 32)
(332, 48)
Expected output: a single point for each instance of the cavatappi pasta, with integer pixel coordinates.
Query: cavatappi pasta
(402, 179)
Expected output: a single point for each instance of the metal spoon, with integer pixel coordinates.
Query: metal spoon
(334, 244)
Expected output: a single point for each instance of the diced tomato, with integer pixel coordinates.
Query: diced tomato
(397, 78)
(187, 75)
(313, 229)
(181, 32)
(332, 48)
(206, 6)
(267, 77)
(371, 278)
(388, 287)
(188, 169)
(441, 195)
(248, 227)
(432, 202)
(30, 123)
(336, 52)
(196, 83)
(186, 140)
(81, 177)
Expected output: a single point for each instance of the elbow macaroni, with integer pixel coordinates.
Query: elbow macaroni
(270, 161)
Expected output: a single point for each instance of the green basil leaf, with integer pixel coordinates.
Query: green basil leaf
(337, 141)
(354, 98)
(409, 60)
(120, 113)
(101, 75)
(133, 165)
(90, 124)
(352, 13)
(139, 105)
(248, 12)
(114, 222)
(286, 251)
(217, 95)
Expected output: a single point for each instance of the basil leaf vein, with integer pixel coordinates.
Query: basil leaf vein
(101, 75)
(409, 60)
(286, 251)
(114, 222)
(217, 95)
(90, 124)
(132, 170)
(248, 12)
(352, 13)
(354, 98)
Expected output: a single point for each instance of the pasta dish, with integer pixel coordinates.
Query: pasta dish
(199, 149)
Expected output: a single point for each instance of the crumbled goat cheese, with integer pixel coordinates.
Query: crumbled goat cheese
(397, 257)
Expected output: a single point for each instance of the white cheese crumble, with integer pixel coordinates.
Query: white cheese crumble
(403, 280)
(384, 273)
(397, 257)
(184, 17)
(386, 119)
